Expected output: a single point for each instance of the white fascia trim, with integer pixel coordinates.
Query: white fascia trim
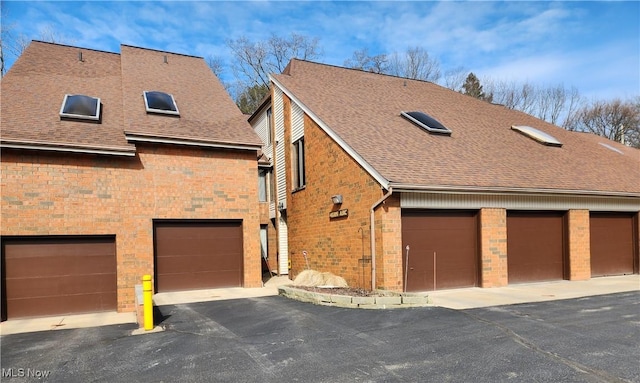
(361, 161)
(507, 191)
(179, 141)
(69, 149)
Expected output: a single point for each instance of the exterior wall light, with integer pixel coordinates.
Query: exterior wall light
(337, 199)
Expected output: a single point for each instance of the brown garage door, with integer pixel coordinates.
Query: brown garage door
(535, 246)
(612, 250)
(58, 275)
(453, 237)
(198, 255)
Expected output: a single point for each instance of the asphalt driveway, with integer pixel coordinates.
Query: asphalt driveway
(273, 339)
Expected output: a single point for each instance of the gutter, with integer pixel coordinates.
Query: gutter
(61, 147)
(487, 190)
(373, 236)
(147, 138)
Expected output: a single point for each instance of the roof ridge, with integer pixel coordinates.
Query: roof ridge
(364, 71)
(74, 46)
(161, 51)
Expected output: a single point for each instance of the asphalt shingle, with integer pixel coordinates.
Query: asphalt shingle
(35, 86)
(483, 151)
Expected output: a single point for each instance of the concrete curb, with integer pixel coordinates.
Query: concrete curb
(384, 300)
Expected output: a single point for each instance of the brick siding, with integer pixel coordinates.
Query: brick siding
(64, 194)
(338, 245)
(579, 257)
(493, 248)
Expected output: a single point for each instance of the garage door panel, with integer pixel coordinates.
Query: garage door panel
(535, 246)
(177, 264)
(198, 255)
(85, 303)
(612, 250)
(54, 248)
(452, 236)
(23, 288)
(50, 266)
(194, 281)
(59, 275)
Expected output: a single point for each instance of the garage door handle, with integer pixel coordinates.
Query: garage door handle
(410, 268)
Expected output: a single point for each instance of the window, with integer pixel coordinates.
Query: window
(264, 242)
(262, 185)
(160, 102)
(537, 135)
(299, 179)
(269, 134)
(80, 106)
(611, 148)
(426, 122)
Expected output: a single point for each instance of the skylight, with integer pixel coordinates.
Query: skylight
(160, 102)
(537, 135)
(80, 106)
(611, 147)
(426, 122)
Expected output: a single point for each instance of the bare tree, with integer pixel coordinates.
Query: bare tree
(216, 64)
(282, 50)
(616, 120)
(572, 106)
(415, 63)
(454, 78)
(363, 61)
(12, 44)
(254, 61)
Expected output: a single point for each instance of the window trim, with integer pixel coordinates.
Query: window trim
(537, 135)
(268, 184)
(269, 126)
(299, 165)
(95, 117)
(160, 111)
(444, 131)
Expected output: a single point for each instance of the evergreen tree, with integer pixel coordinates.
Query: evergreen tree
(472, 87)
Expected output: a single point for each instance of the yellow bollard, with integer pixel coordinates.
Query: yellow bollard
(147, 294)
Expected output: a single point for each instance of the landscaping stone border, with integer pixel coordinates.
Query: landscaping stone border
(384, 300)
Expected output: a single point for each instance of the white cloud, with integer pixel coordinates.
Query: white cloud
(582, 44)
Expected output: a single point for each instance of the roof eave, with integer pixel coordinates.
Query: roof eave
(153, 139)
(384, 183)
(68, 148)
(502, 190)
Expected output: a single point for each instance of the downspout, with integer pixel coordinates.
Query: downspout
(373, 236)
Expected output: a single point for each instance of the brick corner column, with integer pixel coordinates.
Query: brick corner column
(493, 248)
(579, 245)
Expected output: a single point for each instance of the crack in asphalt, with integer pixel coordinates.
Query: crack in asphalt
(602, 376)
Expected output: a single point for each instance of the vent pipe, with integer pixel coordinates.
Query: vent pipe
(165, 59)
(80, 56)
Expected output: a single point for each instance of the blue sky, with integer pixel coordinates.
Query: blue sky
(594, 46)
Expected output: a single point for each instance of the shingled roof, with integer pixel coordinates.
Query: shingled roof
(483, 153)
(34, 88)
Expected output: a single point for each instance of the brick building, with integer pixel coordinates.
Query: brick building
(116, 165)
(425, 188)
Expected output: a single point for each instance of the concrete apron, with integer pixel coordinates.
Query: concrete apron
(455, 299)
(475, 297)
(16, 326)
